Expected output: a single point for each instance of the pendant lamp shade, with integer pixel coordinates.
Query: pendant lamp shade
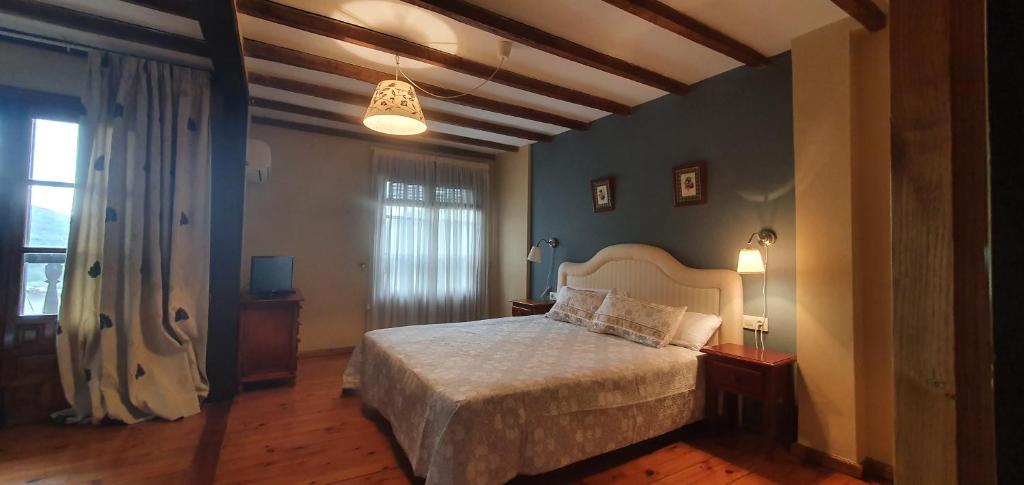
(395, 110)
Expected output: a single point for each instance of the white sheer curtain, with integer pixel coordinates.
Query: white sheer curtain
(430, 240)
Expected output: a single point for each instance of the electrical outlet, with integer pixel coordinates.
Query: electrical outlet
(750, 322)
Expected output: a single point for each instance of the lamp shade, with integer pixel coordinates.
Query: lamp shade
(534, 256)
(395, 110)
(750, 262)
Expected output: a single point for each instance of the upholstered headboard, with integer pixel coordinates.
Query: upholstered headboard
(652, 274)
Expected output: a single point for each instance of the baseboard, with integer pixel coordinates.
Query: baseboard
(325, 352)
(875, 470)
(812, 457)
(868, 469)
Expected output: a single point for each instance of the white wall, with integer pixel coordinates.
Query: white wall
(844, 276)
(316, 207)
(510, 200)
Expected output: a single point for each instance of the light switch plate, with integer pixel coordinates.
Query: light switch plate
(750, 322)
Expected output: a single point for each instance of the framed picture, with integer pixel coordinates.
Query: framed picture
(690, 184)
(603, 194)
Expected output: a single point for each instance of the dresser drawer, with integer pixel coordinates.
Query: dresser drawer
(736, 379)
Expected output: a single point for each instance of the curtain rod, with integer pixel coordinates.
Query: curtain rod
(451, 158)
(78, 49)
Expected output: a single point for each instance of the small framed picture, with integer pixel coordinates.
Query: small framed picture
(690, 184)
(603, 194)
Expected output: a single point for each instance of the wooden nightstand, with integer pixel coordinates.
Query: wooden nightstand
(764, 375)
(530, 307)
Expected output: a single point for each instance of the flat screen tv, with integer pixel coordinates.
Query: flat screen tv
(271, 275)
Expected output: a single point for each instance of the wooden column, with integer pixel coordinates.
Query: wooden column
(942, 317)
(229, 114)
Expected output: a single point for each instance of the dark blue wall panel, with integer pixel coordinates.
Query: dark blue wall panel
(739, 122)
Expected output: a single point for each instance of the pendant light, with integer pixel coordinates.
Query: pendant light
(394, 108)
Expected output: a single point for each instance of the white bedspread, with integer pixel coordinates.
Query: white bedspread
(479, 402)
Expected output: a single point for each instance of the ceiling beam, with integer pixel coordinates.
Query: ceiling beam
(355, 120)
(354, 34)
(530, 36)
(291, 57)
(181, 8)
(347, 97)
(865, 12)
(324, 130)
(675, 21)
(94, 24)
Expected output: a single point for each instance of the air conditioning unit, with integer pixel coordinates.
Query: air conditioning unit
(257, 161)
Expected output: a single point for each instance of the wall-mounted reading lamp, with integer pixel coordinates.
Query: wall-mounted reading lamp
(535, 257)
(750, 262)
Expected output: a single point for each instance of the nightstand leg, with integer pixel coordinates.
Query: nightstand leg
(711, 407)
(739, 411)
(771, 412)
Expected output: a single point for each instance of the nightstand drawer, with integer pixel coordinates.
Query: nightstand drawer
(735, 378)
(520, 311)
(530, 307)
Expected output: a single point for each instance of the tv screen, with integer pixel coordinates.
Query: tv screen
(271, 275)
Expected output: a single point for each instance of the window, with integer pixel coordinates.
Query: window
(39, 144)
(429, 239)
(51, 189)
(40, 159)
(441, 235)
(434, 235)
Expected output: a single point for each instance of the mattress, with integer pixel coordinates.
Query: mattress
(480, 402)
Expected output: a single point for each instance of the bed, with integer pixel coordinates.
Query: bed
(480, 402)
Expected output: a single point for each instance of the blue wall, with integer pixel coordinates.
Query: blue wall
(741, 123)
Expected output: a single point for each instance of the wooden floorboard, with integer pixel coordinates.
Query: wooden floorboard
(310, 434)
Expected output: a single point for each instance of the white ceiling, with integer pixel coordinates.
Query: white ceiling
(768, 26)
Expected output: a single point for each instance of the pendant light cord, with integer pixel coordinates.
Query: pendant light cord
(398, 69)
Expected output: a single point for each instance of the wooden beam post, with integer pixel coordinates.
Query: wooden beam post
(942, 319)
(229, 116)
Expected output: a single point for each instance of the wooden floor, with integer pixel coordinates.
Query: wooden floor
(308, 434)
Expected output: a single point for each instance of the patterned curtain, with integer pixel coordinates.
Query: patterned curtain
(132, 337)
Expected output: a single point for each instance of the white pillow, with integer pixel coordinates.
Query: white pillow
(696, 330)
(643, 322)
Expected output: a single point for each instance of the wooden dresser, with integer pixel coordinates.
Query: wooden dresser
(268, 338)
